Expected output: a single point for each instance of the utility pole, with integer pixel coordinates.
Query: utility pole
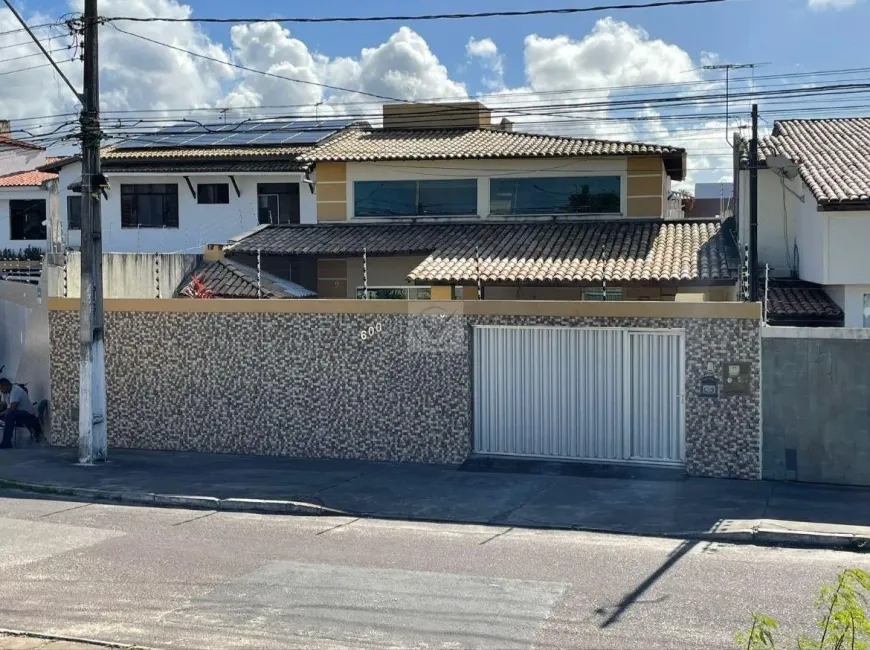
(92, 360)
(92, 363)
(753, 208)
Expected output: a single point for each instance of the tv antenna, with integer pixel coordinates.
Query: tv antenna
(728, 67)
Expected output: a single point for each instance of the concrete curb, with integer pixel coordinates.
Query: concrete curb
(70, 639)
(760, 536)
(174, 500)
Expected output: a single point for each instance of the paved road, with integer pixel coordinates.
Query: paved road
(193, 579)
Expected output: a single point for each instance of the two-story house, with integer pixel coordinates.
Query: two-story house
(23, 198)
(190, 185)
(440, 201)
(813, 219)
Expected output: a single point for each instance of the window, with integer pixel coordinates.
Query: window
(415, 198)
(277, 203)
(212, 193)
(149, 206)
(27, 220)
(610, 295)
(74, 212)
(867, 310)
(556, 195)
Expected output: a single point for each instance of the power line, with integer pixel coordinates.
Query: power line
(28, 56)
(36, 67)
(456, 16)
(21, 29)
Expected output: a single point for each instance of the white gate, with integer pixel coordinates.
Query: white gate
(601, 394)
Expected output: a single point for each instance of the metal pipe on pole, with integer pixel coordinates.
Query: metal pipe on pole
(753, 208)
(92, 364)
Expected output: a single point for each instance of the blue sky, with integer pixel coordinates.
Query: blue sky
(524, 57)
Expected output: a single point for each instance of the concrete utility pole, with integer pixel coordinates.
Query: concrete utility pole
(753, 208)
(92, 361)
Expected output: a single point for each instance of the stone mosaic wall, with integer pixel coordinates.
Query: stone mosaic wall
(377, 387)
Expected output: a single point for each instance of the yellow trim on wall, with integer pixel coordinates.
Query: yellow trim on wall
(331, 192)
(647, 206)
(644, 186)
(332, 211)
(645, 165)
(566, 308)
(329, 172)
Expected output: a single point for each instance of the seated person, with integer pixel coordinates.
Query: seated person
(16, 409)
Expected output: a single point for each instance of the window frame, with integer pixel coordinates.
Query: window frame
(12, 214)
(138, 223)
(473, 213)
(75, 199)
(224, 187)
(622, 178)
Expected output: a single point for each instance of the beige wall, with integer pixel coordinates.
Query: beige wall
(646, 183)
(331, 192)
(382, 271)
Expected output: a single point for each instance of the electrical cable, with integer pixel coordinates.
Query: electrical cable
(455, 16)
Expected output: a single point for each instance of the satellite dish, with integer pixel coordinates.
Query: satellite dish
(788, 168)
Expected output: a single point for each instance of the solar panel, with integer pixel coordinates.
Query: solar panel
(248, 133)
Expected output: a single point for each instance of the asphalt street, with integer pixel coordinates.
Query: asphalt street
(194, 579)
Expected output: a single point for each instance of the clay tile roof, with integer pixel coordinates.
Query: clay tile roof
(6, 142)
(544, 253)
(31, 178)
(796, 300)
(833, 154)
(227, 279)
(275, 151)
(365, 144)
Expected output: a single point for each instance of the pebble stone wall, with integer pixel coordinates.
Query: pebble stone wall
(372, 387)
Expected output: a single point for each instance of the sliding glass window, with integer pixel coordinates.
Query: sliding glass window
(451, 198)
(555, 195)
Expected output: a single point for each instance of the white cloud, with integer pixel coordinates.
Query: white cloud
(486, 51)
(822, 5)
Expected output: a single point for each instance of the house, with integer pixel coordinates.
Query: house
(813, 218)
(23, 199)
(442, 202)
(184, 187)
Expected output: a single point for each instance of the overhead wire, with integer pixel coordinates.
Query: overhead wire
(454, 16)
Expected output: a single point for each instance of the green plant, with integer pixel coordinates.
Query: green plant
(31, 254)
(844, 624)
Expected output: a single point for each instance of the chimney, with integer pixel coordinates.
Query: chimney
(505, 125)
(5, 128)
(454, 115)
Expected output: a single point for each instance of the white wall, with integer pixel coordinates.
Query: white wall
(777, 229)
(24, 336)
(10, 194)
(14, 159)
(198, 224)
(854, 307)
(848, 247)
(483, 171)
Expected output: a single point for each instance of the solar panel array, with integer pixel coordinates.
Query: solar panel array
(248, 134)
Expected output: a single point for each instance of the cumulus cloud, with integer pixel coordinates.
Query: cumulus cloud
(486, 52)
(822, 5)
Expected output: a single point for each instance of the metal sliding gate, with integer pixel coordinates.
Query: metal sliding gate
(580, 393)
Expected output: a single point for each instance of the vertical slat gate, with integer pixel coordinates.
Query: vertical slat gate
(579, 393)
(656, 396)
(549, 392)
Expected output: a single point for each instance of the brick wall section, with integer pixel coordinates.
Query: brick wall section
(310, 385)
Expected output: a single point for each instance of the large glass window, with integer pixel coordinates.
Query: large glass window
(27, 220)
(415, 198)
(555, 195)
(278, 203)
(149, 206)
(74, 212)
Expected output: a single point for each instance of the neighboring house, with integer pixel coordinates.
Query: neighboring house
(813, 214)
(181, 189)
(712, 200)
(458, 203)
(23, 199)
(222, 278)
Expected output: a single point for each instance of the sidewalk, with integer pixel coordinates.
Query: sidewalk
(744, 511)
